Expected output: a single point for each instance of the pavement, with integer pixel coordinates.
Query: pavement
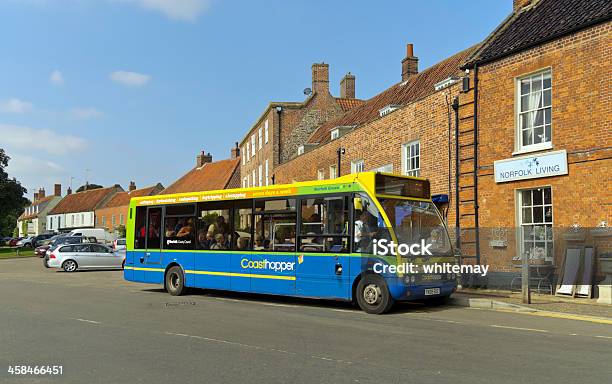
(102, 329)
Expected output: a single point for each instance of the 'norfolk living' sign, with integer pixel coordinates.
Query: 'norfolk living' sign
(531, 167)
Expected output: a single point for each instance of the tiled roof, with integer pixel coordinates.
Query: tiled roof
(348, 104)
(210, 176)
(84, 201)
(417, 87)
(35, 203)
(123, 198)
(542, 21)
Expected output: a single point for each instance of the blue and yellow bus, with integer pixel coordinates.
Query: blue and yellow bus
(310, 239)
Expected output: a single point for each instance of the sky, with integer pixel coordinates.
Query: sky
(110, 91)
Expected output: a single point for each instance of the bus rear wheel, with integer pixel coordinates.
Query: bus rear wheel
(175, 281)
(373, 296)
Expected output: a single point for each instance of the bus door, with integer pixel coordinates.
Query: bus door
(323, 258)
(151, 259)
(273, 260)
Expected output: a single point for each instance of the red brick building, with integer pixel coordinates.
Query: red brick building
(285, 126)
(541, 126)
(113, 214)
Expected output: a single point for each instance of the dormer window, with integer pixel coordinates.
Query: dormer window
(300, 150)
(335, 133)
(388, 109)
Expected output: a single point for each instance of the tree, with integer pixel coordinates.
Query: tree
(12, 199)
(88, 186)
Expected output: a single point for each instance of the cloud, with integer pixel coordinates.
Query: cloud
(183, 10)
(14, 106)
(33, 172)
(85, 113)
(56, 78)
(22, 138)
(131, 79)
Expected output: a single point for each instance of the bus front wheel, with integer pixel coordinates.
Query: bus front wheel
(373, 295)
(175, 281)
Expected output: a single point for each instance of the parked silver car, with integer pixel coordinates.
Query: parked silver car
(71, 257)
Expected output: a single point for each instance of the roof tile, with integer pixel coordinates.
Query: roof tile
(210, 176)
(84, 201)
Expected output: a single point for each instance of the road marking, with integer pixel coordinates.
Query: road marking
(88, 321)
(604, 337)
(255, 347)
(518, 328)
(570, 316)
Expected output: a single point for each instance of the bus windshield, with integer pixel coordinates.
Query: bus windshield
(414, 221)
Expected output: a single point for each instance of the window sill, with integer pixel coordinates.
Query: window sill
(538, 148)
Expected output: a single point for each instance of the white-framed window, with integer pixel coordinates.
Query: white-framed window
(335, 133)
(244, 182)
(259, 134)
(243, 157)
(534, 111)
(536, 223)
(260, 176)
(266, 131)
(104, 221)
(387, 168)
(254, 177)
(253, 145)
(333, 172)
(321, 174)
(411, 158)
(267, 171)
(357, 166)
(247, 151)
(113, 220)
(300, 150)
(121, 219)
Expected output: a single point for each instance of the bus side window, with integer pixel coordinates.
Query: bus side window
(368, 224)
(324, 224)
(179, 227)
(275, 225)
(139, 228)
(242, 223)
(213, 226)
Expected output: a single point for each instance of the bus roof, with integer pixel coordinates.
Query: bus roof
(363, 181)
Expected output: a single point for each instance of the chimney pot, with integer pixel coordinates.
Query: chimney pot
(410, 64)
(320, 77)
(132, 186)
(235, 152)
(35, 196)
(41, 193)
(347, 86)
(69, 191)
(57, 189)
(203, 158)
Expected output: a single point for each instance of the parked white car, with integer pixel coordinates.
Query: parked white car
(26, 242)
(101, 235)
(71, 257)
(119, 244)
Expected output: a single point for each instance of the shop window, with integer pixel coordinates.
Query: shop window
(536, 223)
(324, 225)
(275, 225)
(411, 158)
(534, 111)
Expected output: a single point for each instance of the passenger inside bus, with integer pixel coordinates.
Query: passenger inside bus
(219, 242)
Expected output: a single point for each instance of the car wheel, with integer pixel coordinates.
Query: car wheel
(69, 266)
(123, 265)
(45, 263)
(373, 295)
(175, 281)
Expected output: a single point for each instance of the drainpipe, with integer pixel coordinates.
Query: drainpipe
(279, 110)
(457, 225)
(477, 229)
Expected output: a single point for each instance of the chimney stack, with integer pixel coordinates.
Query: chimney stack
(132, 186)
(235, 151)
(320, 77)
(347, 86)
(203, 158)
(69, 191)
(41, 193)
(35, 196)
(517, 5)
(410, 64)
(57, 190)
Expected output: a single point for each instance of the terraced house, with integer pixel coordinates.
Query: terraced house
(78, 210)
(284, 127)
(33, 221)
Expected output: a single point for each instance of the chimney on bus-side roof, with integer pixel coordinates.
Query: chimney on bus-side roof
(203, 158)
(57, 190)
(132, 186)
(41, 193)
(35, 196)
(235, 151)
(410, 64)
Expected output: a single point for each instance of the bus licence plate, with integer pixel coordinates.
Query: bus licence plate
(432, 291)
